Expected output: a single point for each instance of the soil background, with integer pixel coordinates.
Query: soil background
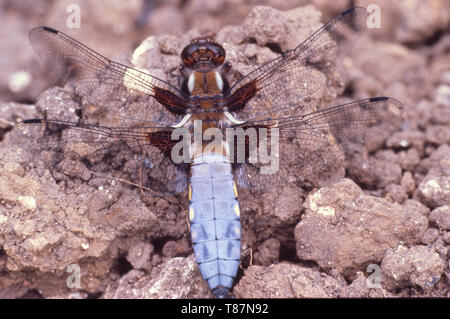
(376, 226)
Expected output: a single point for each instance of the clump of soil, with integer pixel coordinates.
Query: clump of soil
(383, 230)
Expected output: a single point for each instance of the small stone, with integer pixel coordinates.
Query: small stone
(3, 219)
(411, 159)
(440, 217)
(435, 188)
(396, 192)
(404, 139)
(375, 172)
(19, 81)
(438, 134)
(418, 265)
(446, 238)
(408, 182)
(28, 202)
(360, 288)
(442, 96)
(169, 249)
(430, 235)
(139, 255)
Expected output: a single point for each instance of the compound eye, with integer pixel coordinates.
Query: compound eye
(187, 55)
(188, 61)
(219, 55)
(218, 59)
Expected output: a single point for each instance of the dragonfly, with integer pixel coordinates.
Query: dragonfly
(207, 136)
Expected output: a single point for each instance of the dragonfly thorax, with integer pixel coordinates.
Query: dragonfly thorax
(205, 83)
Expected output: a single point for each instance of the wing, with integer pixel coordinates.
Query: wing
(140, 156)
(118, 90)
(311, 144)
(278, 87)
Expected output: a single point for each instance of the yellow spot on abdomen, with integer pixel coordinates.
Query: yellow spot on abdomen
(237, 211)
(235, 189)
(191, 214)
(190, 192)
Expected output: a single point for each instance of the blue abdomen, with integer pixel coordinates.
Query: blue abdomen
(215, 226)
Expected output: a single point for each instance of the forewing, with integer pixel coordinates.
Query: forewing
(277, 88)
(310, 145)
(118, 90)
(139, 156)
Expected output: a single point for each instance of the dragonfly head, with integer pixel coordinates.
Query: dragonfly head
(203, 52)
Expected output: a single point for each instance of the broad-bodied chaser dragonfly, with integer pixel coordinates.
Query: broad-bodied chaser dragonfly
(272, 135)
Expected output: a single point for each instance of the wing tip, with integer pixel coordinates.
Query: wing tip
(353, 9)
(31, 121)
(48, 29)
(348, 11)
(393, 102)
(378, 98)
(36, 30)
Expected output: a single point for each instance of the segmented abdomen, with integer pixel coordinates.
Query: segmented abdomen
(215, 226)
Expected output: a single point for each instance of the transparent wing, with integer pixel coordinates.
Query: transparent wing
(311, 144)
(277, 88)
(138, 155)
(118, 90)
